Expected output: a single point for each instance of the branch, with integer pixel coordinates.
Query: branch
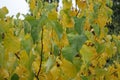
(40, 55)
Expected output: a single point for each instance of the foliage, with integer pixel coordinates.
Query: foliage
(71, 45)
(114, 27)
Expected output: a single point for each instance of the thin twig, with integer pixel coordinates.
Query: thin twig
(40, 55)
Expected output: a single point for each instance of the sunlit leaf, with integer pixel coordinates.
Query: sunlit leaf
(109, 3)
(87, 53)
(52, 15)
(67, 4)
(3, 12)
(50, 63)
(81, 4)
(32, 4)
(55, 71)
(12, 43)
(4, 74)
(68, 68)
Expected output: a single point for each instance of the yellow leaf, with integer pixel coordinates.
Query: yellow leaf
(67, 21)
(32, 4)
(22, 72)
(64, 41)
(24, 57)
(87, 53)
(4, 74)
(55, 72)
(46, 41)
(73, 13)
(91, 7)
(11, 43)
(67, 4)
(52, 15)
(68, 68)
(82, 4)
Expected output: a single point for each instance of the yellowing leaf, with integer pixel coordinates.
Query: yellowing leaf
(24, 58)
(32, 4)
(3, 12)
(55, 72)
(73, 13)
(87, 53)
(68, 68)
(46, 41)
(35, 66)
(101, 20)
(50, 63)
(52, 15)
(67, 4)
(81, 4)
(4, 74)
(67, 21)
(22, 72)
(91, 7)
(11, 43)
(64, 40)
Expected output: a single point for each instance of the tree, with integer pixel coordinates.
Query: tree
(50, 46)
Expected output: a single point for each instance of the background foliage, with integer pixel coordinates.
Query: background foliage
(69, 45)
(114, 27)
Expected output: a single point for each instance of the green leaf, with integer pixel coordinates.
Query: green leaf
(84, 78)
(96, 7)
(31, 59)
(31, 20)
(50, 63)
(42, 20)
(35, 28)
(69, 53)
(27, 45)
(1, 37)
(109, 3)
(27, 27)
(56, 50)
(79, 24)
(100, 47)
(58, 28)
(76, 41)
(15, 77)
(77, 61)
(96, 29)
(35, 31)
(49, 7)
(18, 15)
(1, 55)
